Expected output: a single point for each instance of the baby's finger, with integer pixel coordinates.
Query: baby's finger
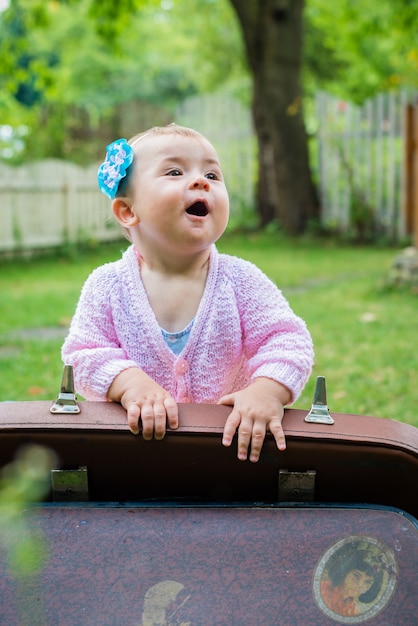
(228, 399)
(244, 437)
(230, 427)
(160, 420)
(132, 414)
(147, 418)
(172, 412)
(277, 431)
(257, 440)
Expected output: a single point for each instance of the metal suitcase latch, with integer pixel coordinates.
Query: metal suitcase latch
(66, 401)
(319, 413)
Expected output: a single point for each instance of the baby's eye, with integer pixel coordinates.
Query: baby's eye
(212, 176)
(174, 172)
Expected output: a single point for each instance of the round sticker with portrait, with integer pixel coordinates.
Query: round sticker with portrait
(355, 579)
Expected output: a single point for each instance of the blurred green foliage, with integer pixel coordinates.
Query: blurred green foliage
(161, 51)
(22, 481)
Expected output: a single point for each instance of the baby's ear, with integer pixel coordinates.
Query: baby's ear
(122, 210)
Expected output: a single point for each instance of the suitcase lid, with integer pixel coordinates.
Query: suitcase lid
(187, 565)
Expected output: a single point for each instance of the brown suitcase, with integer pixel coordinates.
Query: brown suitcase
(181, 532)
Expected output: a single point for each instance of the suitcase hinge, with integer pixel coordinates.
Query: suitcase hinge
(297, 486)
(70, 485)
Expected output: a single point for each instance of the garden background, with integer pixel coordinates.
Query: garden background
(154, 62)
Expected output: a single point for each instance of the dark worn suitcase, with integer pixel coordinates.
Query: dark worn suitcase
(181, 532)
(227, 565)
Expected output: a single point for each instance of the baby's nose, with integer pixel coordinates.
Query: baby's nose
(200, 182)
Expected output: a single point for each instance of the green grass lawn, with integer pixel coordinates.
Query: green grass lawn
(365, 335)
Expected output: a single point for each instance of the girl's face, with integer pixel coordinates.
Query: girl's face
(356, 583)
(178, 194)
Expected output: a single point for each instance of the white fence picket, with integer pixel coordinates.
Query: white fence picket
(50, 203)
(361, 156)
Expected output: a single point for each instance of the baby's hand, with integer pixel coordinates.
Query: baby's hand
(144, 400)
(257, 408)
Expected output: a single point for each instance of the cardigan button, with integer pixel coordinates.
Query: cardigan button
(181, 367)
(184, 400)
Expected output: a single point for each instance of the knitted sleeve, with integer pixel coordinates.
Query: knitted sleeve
(92, 346)
(277, 342)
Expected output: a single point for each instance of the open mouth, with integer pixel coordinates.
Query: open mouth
(198, 208)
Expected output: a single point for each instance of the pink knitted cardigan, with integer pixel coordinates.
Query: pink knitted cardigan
(244, 328)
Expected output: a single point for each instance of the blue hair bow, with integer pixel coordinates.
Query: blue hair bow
(119, 156)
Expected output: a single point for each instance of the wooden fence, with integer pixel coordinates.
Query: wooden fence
(360, 167)
(51, 203)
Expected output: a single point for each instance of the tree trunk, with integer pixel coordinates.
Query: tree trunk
(272, 31)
